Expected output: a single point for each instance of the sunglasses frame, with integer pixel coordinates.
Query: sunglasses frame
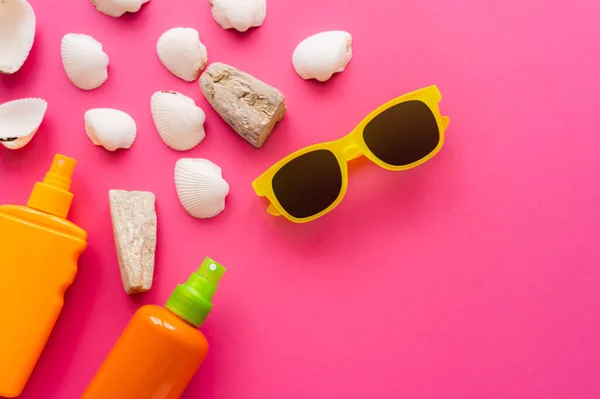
(351, 147)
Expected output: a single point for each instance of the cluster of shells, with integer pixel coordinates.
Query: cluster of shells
(178, 120)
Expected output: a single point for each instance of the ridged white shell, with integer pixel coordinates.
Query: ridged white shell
(17, 31)
(182, 53)
(20, 120)
(200, 187)
(239, 14)
(321, 55)
(110, 128)
(85, 63)
(180, 123)
(116, 8)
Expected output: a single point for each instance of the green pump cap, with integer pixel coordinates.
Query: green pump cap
(192, 299)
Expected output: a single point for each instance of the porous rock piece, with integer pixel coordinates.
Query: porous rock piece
(251, 107)
(134, 223)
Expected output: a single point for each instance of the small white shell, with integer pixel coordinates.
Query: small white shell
(20, 120)
(239, 14)
(85, 63)
(182, 53)
(116, 8)
(321, 55)
(180, 123)
(17, 31)
(110, 128)
(200, 187)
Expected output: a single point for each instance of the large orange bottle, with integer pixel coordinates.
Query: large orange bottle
(161, 348)
(39, 250)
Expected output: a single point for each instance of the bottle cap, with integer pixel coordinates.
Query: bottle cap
(192, 300)
(53, 195)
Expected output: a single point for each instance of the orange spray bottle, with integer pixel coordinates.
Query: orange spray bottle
(39, 250)
(161, 348)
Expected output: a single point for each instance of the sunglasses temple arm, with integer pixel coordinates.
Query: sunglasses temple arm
(272, 210)
(445, 121)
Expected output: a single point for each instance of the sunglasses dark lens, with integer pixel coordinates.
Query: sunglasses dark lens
(403, 134)
(308, 184)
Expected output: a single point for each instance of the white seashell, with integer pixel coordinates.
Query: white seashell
(116, 8)
(180, 123)
(110, 128)
(239, 14)
(182, 53)
(85, 63)
(20, 120)
(321, 55)
(17, 31)
(200, 187)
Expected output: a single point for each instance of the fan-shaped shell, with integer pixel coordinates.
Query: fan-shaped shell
(20, 120)
(239, 14)
(85, 63)
(110, 128)
(182, 53)
(116, 8)
(17, 31)
(179, 122)
(200, 187)
(321, 55)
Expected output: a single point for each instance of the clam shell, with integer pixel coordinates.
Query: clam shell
(239, 14)
(20, 120)
(182, 53)
(85, 63)
(180, 123)
(17, 31)
(321, 55)
(200, 187)
(110, 128)
(116, 8)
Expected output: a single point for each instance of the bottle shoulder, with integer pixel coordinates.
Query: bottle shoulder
(170, 326)
(43, 220)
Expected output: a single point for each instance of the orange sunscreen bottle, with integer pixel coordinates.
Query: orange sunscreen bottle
(161, 348)
(39, 249)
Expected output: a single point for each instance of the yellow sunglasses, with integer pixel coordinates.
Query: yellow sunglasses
(399, 135)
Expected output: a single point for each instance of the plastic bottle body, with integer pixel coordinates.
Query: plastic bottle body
(155, 357)
(38, 262)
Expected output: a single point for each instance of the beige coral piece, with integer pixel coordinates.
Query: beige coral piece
(134, 224)
(251, 107)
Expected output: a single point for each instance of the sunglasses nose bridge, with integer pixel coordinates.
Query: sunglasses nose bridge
(352, 153)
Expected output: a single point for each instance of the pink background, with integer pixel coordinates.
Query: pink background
(475, 275)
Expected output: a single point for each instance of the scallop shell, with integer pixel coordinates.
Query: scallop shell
(110, 128)
(239, 14)
(321, 55)
(200, 187)
(182, 53)
(17, 31)
(180, 123)
(85, 63)
(116, 8)
(20, 120)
